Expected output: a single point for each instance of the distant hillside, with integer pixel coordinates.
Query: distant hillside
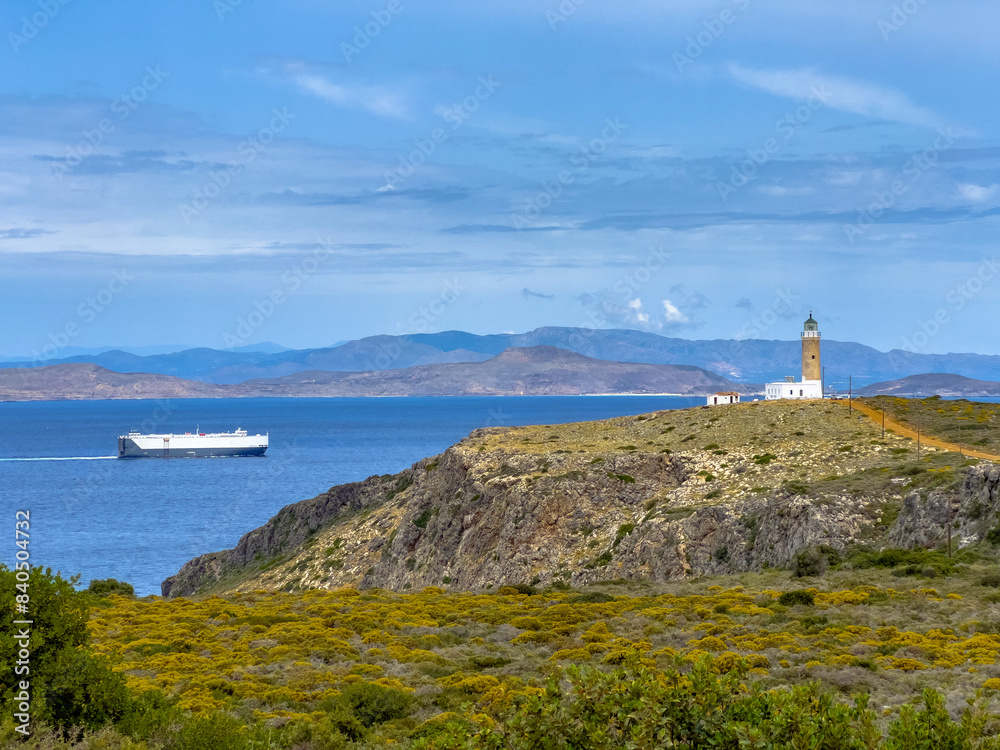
(933, 384)
(85, 382)
(749, 361)
(533, 371)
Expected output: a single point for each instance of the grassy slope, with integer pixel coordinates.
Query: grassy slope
(968, 423)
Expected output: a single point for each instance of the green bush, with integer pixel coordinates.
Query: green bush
(993, 535)
(216, 731)
(913, 562)
(636, 707)
(600, 561)
(402, 485)
(59, 629)
(147, 714)
(623, 531)
(591, 597)
(622, 477)
(588, 709)
(797, 596)
(84, 692)
(375, 704)
(796, 488)
(109, 586)
(922, 571)
(523, 588)
(814, 560)
(339, 724)
(809, 562)
(350, 715)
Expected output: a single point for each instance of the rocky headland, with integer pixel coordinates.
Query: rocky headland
(667, 495)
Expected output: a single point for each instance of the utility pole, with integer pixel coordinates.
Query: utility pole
(883, 423)
(918, 443)
(850, 394)
(948, 500)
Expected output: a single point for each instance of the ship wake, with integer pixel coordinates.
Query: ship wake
(61, 458)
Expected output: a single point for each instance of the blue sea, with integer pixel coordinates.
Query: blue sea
(139, 520)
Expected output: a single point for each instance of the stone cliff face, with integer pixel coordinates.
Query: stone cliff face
(974, 510)
(708, 492)
(292, 527)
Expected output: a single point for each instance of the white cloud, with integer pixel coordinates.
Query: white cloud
(978, 193)
(315, 79)
(838, 92)
(780, 191)
(636, 305)
(673, 314)
(372, 99)
(633, 314)
(848, 178)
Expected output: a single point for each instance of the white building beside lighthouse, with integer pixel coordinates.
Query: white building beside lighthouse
(811, 385)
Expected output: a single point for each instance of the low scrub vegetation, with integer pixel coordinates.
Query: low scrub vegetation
(364, 669)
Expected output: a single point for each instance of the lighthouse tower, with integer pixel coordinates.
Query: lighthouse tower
(811, 369)
(811, 385)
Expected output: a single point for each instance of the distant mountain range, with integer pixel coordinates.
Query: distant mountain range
(933, 384)
(749, 361)
(533, 371)
(77, 352)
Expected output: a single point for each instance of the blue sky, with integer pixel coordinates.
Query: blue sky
(219, 172)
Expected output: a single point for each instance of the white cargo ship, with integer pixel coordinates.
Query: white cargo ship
(191, 445)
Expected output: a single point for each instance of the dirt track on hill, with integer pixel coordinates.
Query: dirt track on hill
(906, 431)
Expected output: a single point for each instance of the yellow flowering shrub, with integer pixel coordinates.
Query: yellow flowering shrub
(571, 654)
(527, 623)
(536, 636)
(709, 643)
(280, 654)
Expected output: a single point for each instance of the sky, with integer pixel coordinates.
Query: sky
(224, 172)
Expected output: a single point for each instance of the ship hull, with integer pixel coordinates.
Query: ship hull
(185, 447)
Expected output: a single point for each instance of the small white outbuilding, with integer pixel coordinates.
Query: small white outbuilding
(724, 397)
